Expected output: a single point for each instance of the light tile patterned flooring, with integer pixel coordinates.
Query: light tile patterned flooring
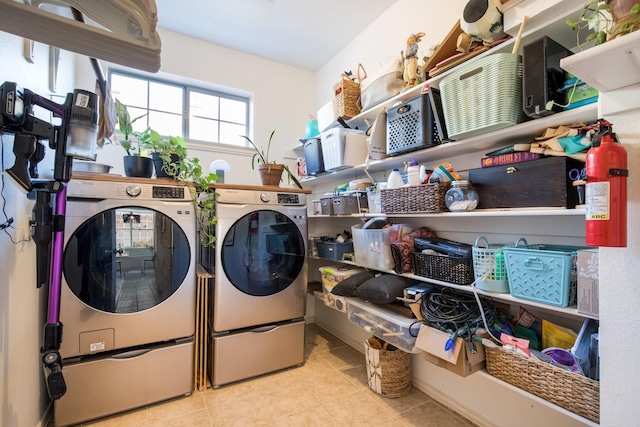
(330, 389)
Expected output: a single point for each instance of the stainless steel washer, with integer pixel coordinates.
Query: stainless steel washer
(127, 298)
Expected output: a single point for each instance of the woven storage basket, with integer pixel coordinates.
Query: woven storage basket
(426, 198)
(488, 266)
(351, 204)
(347, 96)
(483, 96)
(458, 271)
(571, 391)
(326, 206)
(388, 371)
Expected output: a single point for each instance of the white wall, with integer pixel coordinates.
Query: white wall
(387, 37)
(282, 98)
(22, 305)
(619, 290)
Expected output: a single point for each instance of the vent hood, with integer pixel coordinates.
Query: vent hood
(123, 31)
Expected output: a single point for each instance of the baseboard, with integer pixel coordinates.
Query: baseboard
(451, 403)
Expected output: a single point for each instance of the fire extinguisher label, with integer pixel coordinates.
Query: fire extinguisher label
(597, 200)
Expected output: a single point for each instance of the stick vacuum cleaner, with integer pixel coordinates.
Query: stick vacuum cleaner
(74, 137)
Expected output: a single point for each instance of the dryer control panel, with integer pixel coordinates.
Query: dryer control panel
(253, 197)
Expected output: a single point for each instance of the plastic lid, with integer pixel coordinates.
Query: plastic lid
(395, 170)
(561, 356)
(412, 162)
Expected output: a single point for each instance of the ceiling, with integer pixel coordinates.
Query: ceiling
(301, 33)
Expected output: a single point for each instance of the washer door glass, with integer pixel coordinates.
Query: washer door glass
(126, 260)
(262, 253)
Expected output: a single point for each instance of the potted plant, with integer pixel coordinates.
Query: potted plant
(189, 172)
(605, 20)
(167, 154)
(135, 164)
(270, 170)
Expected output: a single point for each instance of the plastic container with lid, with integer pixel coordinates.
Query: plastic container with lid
(395, 179)
(461, 197)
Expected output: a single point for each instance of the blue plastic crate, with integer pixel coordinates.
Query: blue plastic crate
(543, 273)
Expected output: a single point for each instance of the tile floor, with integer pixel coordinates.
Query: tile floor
(330, 389)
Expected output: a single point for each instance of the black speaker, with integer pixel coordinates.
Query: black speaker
(542, 77)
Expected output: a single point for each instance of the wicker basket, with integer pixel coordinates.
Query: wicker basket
(426, 198)
(388, 370)
(347, 96)
(571, 391)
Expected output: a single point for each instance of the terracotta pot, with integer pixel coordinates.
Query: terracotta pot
(620, 11)
(620, 8)
(270, 174)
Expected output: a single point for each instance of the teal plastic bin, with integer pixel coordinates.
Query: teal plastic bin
(543, 273)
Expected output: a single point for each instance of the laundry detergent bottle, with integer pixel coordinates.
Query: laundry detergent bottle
(395, 179)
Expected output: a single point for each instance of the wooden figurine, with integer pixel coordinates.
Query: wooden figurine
(410, 74)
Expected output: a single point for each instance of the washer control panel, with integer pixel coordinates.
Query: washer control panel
(90, 189)
(168, 192)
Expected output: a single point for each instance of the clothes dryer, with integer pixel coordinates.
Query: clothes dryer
(260, 283)
(127, 298)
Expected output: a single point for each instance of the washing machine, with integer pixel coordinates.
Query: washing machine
(260, 284)
(127, 301)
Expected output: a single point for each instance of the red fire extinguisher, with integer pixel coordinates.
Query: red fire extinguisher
(606, 190)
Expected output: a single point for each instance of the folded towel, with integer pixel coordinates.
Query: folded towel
(401, 249)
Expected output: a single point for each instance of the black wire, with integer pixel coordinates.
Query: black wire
(9, 221)
(455, 311)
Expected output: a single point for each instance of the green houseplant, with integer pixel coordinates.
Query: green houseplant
(135, 164)
(167, 155)
(190, 173)
(605, 20)
(270, 171)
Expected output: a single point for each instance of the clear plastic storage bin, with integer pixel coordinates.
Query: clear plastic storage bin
(393, 328)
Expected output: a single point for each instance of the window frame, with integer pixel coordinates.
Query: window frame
(187, 88)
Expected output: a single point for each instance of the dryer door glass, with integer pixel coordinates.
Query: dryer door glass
(262, 253)
(126, 260)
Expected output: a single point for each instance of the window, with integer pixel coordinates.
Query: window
(170, 108)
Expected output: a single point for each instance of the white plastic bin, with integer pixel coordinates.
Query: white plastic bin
(343, 148)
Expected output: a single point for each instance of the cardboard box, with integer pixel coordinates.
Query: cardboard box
(588, 281)
(459, 360)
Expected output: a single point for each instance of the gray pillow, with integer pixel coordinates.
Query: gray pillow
(347, 288)
(384, 289)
